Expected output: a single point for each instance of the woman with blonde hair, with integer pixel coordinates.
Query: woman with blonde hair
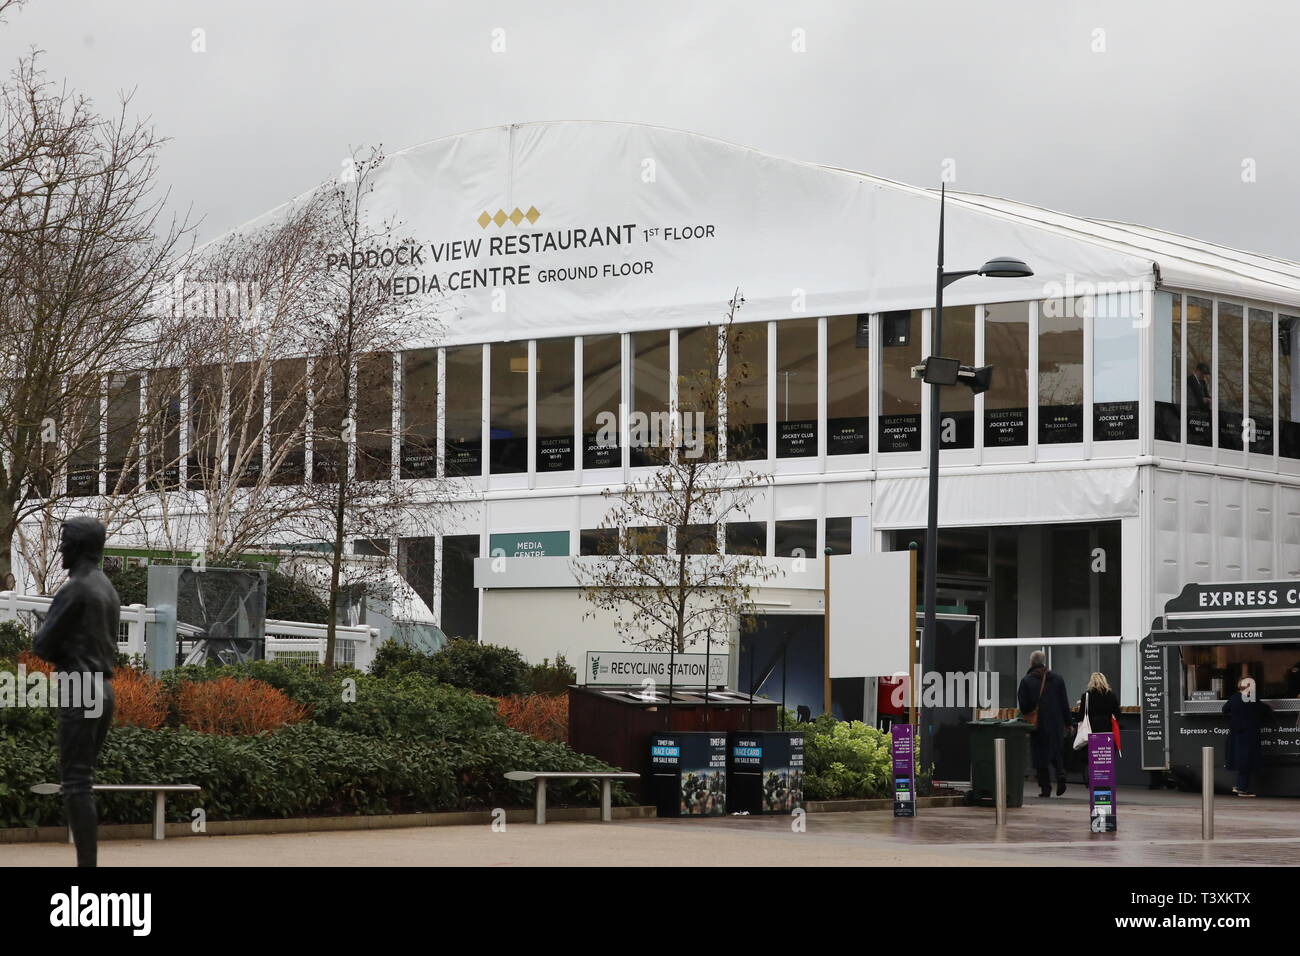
(1098, 703)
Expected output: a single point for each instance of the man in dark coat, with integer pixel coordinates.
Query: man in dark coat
(79, 637)
(1043, 691)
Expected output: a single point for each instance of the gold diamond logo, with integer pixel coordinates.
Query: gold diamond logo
(532, 215)
(500, 217)
(484, 219)
(517, 216)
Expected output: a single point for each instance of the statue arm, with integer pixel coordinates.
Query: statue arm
(58, 622)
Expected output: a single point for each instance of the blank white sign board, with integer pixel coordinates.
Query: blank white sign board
(872, 607)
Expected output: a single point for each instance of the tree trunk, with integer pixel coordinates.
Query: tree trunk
(7, 530)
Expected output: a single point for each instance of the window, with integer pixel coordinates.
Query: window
(839, 535)
(288, 420)
(419, 422)
(848, 385)
(163, 397)
(459, 596)
(1060, 370)
(1259, 349)
(649, 539)
(1200, 387)
(123, 432)
(204, 427)
(1288, 385)
(648, 427)
(697, 539)
(957, 418)
(1168, 385)
(1231, 376)
(374, 421)
(1115, 371)
(598, 541)
(1006, 348)
(554, 405)
(796, 539)
(697, 390)
(416, 563)
(463, 453)
(747, 395)
(245, 426)
(900, 394)
(602, 396)
(329, 447)
(796, 388)
(508, 385)
(747, 537)
(1211, 672)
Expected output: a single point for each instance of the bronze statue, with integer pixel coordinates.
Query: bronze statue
(79, 637)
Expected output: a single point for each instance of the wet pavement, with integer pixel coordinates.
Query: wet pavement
(1156, 828)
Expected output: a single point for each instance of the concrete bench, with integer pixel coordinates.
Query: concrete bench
(159, 791)
(605, 777)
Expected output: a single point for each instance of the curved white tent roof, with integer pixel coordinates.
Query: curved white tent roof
(569, 228)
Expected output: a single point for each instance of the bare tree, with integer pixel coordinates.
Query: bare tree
(83, 247)
(360, 319)
(680, 593)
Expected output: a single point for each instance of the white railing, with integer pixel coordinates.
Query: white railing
(355, 644)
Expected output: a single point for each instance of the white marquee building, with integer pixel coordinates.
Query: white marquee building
(1142, 431)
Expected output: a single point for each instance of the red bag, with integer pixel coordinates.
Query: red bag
(1114, 732)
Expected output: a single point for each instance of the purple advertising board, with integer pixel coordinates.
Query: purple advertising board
(904, 770)
(1101, 783)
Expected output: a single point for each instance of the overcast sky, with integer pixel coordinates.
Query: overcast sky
(1136, 111)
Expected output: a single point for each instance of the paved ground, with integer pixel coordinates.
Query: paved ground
(1156, 828)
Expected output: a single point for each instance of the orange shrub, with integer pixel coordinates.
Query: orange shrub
(141, 699)
(34, 663)
(544, 716)
(231, 705)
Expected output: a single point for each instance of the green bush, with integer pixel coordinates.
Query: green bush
(13, 639)
(482, 668)
(548, 678)
(845, 759)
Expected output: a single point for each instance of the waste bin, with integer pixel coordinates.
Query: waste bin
(982, 779)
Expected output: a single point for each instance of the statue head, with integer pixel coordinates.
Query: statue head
(83, 540)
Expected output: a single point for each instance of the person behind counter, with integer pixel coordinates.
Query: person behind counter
(1044, 691)
(1246, 715)
(1099, 703)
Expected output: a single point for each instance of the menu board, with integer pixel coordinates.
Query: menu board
(1155, 705)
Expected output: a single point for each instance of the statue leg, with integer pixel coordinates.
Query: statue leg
(80, 740)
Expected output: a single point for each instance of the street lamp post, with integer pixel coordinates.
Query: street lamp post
(949, 372)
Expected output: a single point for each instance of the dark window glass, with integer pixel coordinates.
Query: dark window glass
(796, 388)
(747, 393)
(1169, 364)
(957, 412)
(375, 417)
(651, 539)
(598, 541)
(288, 420)
(1200, 386)
(697, 391)
(509, 400)
(329, 448)
(1115, 371)
(796, 539)
(602, 393)
(747, 537)
(900, 394)
(122, 471)
(416, 563)
(848, 385)
(459, 596)
(1288, 385)
(164, 402)
(420, 414)
(1259, 346)
(373, 547)
(245, 425)
(648, 428)
(839, 535)
(1060, 370)
(1231, 376)
(464, 411)
(555, 405)
(697, 539)
(204, 427)
(1006, 348)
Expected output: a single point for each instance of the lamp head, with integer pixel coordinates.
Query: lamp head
(1004, 267)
